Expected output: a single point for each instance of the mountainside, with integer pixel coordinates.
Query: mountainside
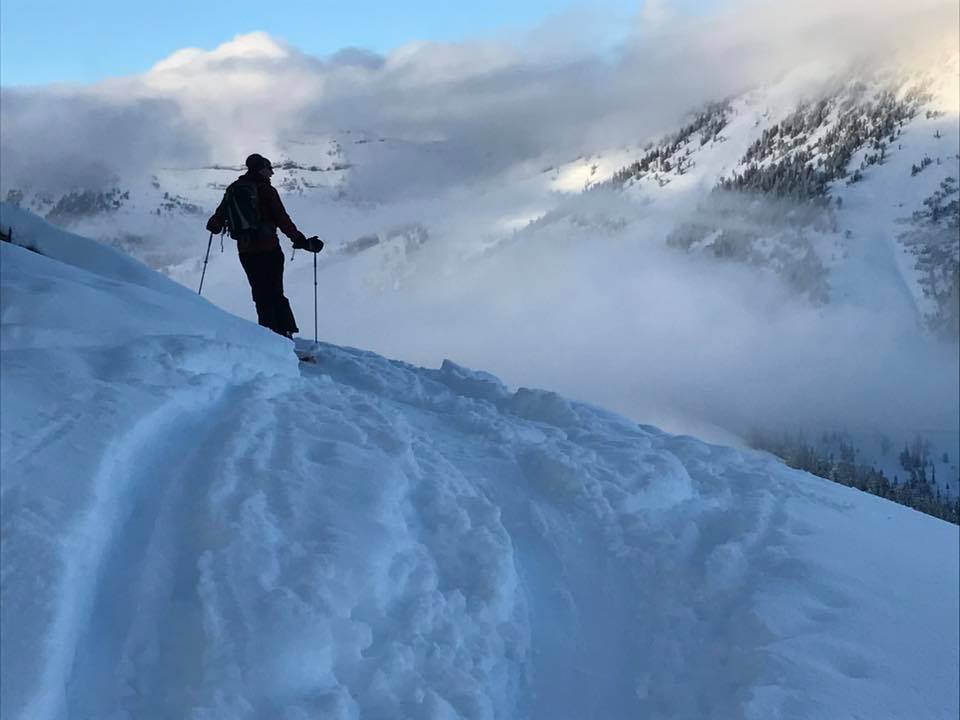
(197, 526)
(863, 171)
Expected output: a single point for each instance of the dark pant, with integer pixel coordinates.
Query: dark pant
(265, 273)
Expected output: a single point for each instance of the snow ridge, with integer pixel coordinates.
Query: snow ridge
(199, 527)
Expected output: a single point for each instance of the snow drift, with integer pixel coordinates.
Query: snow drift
(196, 525)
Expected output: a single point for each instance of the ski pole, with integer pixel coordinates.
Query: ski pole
(315, 298)
(205, 258)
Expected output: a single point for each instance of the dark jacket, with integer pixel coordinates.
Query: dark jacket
(272, 216)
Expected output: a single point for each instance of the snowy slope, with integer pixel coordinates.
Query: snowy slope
(197, 526)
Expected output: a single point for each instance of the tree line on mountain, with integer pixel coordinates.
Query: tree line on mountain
(774, 233)
(918, 489)
(86, 203)
(792, 177)
(934, 240)
(915, 169)
(83, 203)
(75, 204)
(800, 156)
(709, 122)
(178, 203)
(788, 160)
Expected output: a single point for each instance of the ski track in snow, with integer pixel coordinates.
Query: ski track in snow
(145, 562)
(251, 596)
(361, 567)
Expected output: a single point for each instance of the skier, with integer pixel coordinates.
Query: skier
(252, 211)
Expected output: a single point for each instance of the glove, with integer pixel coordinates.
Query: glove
(311, 244)
(214, 225)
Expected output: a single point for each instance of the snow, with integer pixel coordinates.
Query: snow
(195, 525)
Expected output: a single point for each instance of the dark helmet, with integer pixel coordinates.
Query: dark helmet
(257, 162)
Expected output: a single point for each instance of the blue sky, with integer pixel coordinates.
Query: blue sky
(43, 41)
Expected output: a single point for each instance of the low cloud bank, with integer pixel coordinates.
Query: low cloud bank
(591, 302)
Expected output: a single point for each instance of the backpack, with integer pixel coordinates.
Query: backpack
(242, 209)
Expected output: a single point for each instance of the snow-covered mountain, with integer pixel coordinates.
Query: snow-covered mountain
(881, 159)
(196, 525)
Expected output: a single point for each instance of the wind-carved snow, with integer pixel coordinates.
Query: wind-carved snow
(197, 526)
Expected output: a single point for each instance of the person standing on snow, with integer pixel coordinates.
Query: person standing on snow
(252, 211)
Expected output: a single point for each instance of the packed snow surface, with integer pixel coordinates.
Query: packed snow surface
(195, 525)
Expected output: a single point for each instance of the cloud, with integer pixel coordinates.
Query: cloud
(492, 104)
(61, 139)
(253, 48)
